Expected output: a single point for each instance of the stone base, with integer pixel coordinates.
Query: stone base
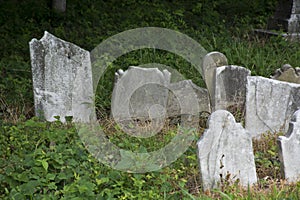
(269, 33)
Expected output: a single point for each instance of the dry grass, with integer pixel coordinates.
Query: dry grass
(271, 184)
(13, 114)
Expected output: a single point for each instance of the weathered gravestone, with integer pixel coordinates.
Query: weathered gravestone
(225, 152)
(183, 90)
(230, 88)
(143, 98)
(286, 17)
(209, 65)
(270, 104)
(226, 84)
(62, 80)
(289, 150)
(139, 100)
(287, 73)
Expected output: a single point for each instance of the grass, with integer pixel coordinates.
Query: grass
(48, 160)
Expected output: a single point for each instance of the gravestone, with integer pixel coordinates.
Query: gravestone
(230, 88)
(270, 104)
(180, 89)
(195, 100)
(287, 73)
(62, 80)
(139, 100)
(210, 62)
(225, 152)
(289, 150)
(286, 17)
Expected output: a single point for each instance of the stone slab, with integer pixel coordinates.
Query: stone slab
(62, 80)
(139, 99)
(225, 149)
(196, 98)
(186, 102)
(230, 88)
(289, 150)
(270, 104)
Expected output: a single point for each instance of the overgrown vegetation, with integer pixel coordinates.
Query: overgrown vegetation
(41, 160)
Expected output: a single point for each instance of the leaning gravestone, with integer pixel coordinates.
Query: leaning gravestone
(139, 100)
(270, 104)
(230, 88)
(210, 63)
(225, 152)
(289, 150)
(62, 80)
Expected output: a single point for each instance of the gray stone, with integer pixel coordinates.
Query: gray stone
(181, 89)
(210, 62)
(287, 73)
(289, 150)
(186, 102)
(139, 100)
(230, 88)
(285, 22)
(225, 151)
(62, 80)
(270, 104)
(286, 17)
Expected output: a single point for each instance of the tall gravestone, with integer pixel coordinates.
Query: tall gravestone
(225, 152)
(289, 150)
(270, 104)
(210, 63)
(226, 84)
(62, 80)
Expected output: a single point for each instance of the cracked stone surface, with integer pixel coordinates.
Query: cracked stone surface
(270, 104)
(289, 149)
(225, 149)
(62, 80)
